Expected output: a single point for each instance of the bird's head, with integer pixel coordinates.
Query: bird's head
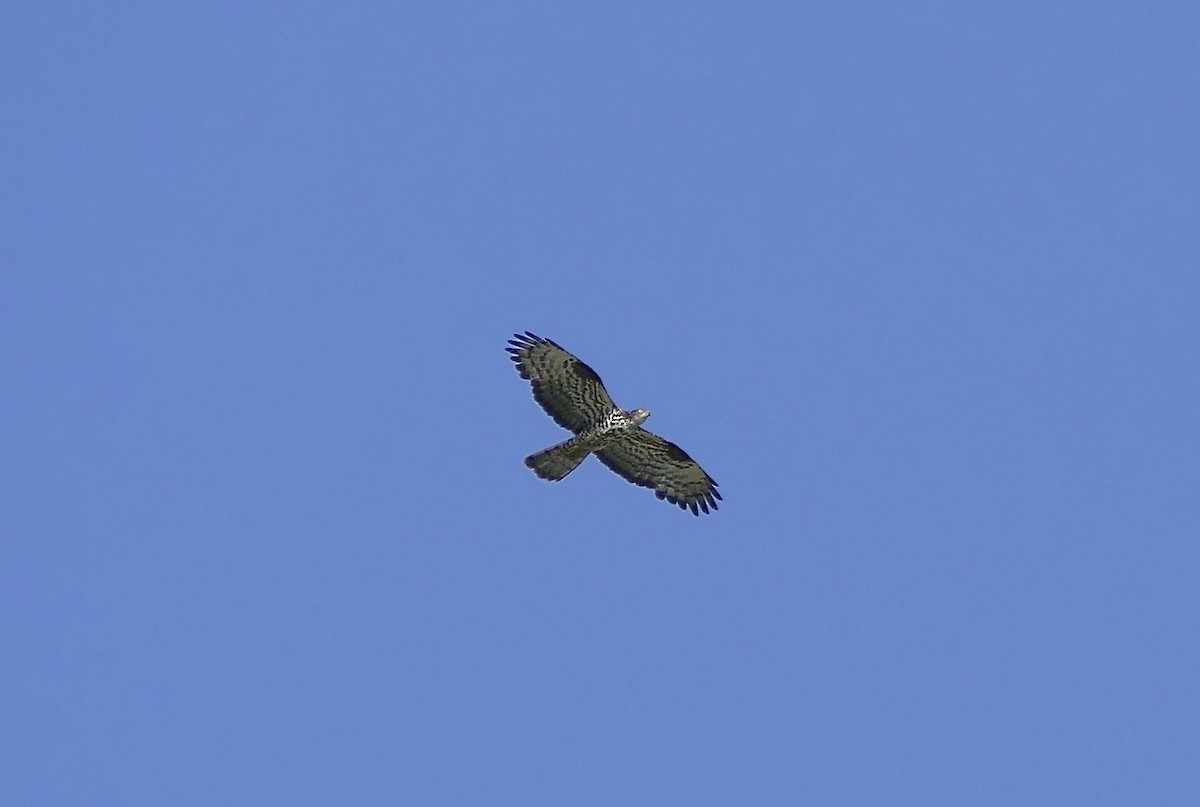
(638, 416)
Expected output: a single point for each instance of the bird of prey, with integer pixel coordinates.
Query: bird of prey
(575, 397)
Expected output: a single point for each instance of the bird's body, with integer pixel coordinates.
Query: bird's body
(557, 461)
(573, 394)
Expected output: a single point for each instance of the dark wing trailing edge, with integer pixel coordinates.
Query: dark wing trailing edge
(565, 387)
(646, 459)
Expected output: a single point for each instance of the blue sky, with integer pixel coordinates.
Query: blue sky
(917, 283)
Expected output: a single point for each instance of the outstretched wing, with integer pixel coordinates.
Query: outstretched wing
(648, 460)
(565, 387)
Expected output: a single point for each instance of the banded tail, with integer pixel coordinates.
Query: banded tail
(556, 462)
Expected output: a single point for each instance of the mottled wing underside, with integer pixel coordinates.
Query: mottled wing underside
(646, 459)
(565, 387)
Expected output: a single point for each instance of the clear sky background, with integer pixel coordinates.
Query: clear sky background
(917, 283)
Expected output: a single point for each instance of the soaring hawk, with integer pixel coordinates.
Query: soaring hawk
(575, 397)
